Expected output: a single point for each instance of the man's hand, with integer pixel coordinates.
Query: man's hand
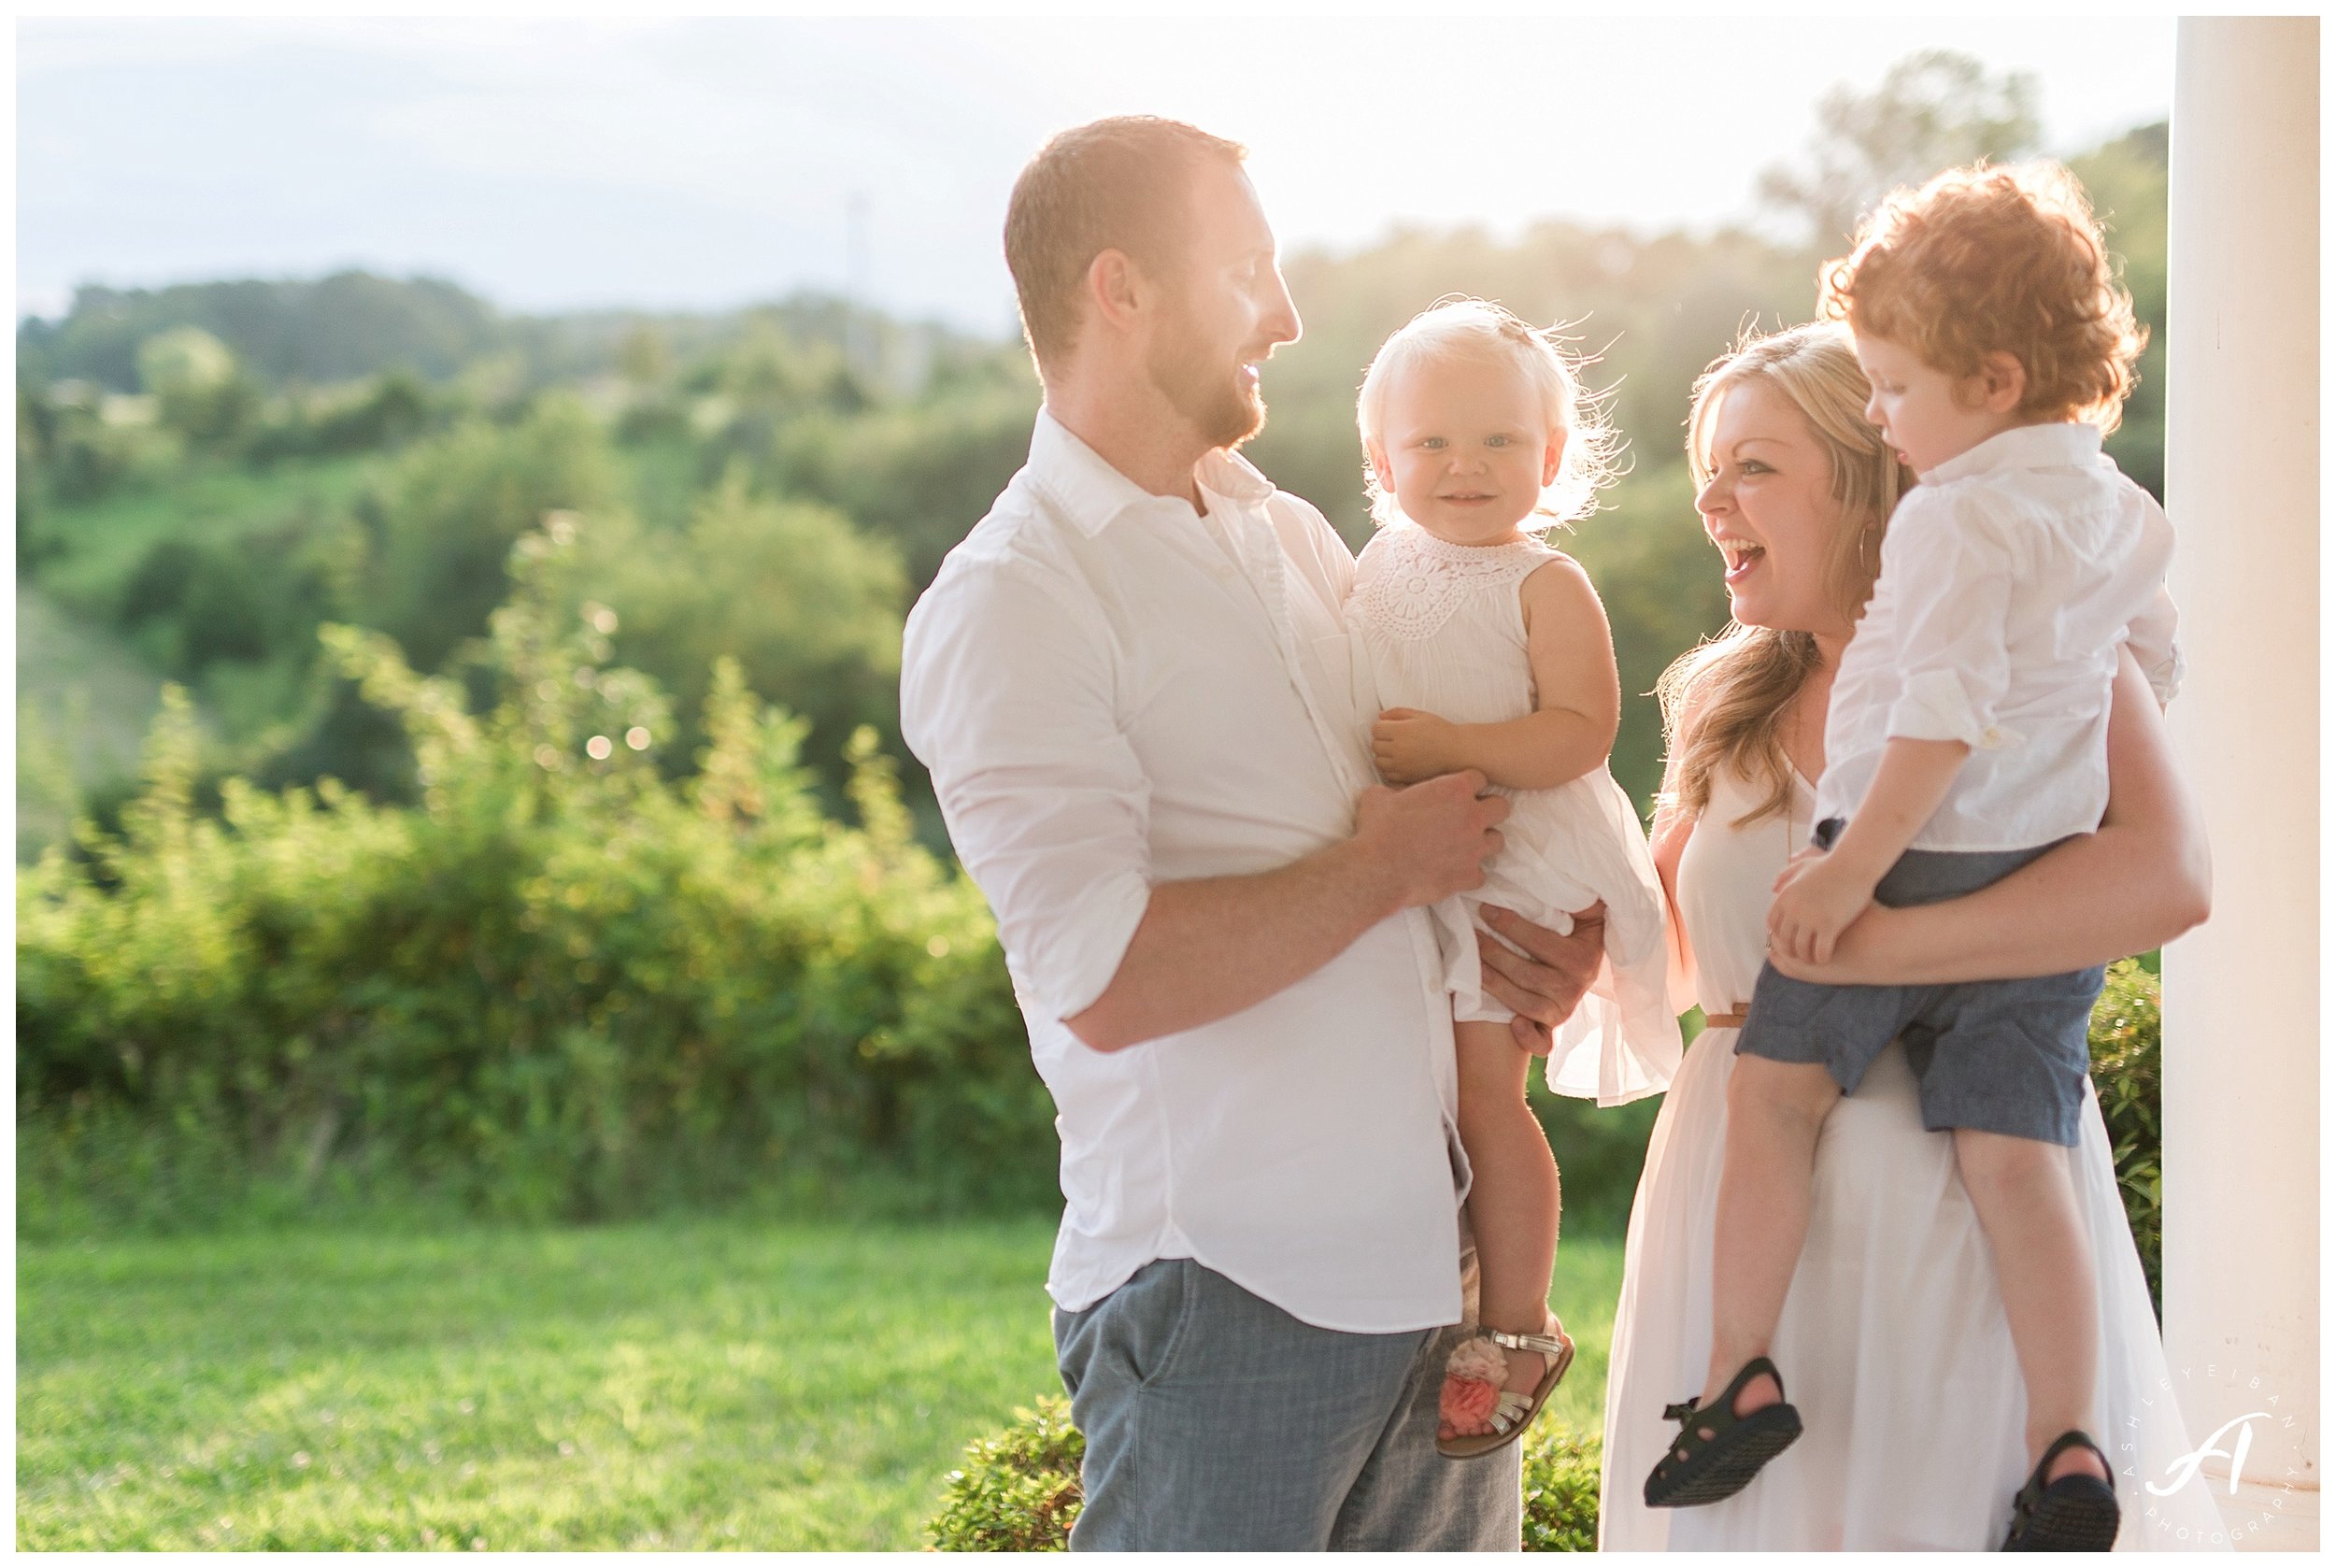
(1545, 985)
(1409, 746)
(1432, 839)
(1818, 896)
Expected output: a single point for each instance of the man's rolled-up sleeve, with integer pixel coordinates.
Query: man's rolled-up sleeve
(1952, 601)
(1006, 698)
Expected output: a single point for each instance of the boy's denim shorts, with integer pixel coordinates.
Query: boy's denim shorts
(1995, 1056)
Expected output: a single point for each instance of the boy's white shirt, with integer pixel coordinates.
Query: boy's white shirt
(2009, 576)
(1111, 691)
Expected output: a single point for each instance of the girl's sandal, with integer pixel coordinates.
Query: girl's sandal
(1477, 1361)
(2077, 1513)
(1719, 1451)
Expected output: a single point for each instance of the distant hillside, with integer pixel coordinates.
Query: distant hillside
(331, 329)
(355, 324)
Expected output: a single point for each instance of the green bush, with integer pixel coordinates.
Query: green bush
(1560, 1491)
(561, 986)
(2125, 1077)
(1018, 1489)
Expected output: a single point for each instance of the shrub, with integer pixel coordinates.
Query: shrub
(1018, 1489)
(561, 986)
(2125, 1051)
(1560, 1491)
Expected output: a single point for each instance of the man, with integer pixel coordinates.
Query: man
(1130, 684)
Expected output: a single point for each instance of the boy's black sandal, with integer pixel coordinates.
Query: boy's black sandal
(2077, 1513)
(1701, 1468)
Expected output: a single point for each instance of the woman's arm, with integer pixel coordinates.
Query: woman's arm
(2138, 882)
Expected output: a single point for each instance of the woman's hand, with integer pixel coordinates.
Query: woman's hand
(1409, 746)
(1543, 985)
(2139, 882)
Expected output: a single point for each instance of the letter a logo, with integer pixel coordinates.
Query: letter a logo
(2189, 1464)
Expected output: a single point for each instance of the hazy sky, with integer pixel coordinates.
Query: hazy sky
(711, 162)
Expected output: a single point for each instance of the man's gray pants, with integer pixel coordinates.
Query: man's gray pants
(1216, 1421)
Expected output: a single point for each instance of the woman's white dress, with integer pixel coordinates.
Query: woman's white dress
(1440, 627)
(1893, 1343)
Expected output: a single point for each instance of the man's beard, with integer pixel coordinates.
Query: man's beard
(1224, 412)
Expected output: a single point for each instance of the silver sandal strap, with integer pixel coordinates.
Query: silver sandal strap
(1509, 1410)
(1548, 1344)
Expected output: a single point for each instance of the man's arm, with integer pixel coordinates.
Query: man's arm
(1209, 947)
(1007, 697)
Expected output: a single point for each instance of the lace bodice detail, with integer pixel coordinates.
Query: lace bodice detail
(1409, 584)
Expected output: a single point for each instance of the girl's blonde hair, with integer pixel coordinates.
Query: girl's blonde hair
(1741, 682)
(1458, 327)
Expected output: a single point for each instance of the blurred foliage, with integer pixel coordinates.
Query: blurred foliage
(800, 600)
(1018, 1488)
(1561, 1484)
(349, 324)
(442, 523)
(2127, 1076)
(561, 986)
(1934, 109)
(2127, 180)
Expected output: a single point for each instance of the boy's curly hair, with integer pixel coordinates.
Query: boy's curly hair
(1981, 259)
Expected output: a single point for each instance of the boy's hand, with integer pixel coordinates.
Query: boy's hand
(1409, 746)
(1816, 898)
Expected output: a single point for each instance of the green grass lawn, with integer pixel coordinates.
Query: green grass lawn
(698, 1385)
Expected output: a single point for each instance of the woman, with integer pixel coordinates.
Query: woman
(1893, 1340)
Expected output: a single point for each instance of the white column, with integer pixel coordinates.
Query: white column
(2241, 993)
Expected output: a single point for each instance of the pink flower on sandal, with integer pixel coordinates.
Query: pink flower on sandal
(1467, 1404)
(1472, 1385)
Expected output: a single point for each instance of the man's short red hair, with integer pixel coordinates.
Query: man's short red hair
(1982, 260)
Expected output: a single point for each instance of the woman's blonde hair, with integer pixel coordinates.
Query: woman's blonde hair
(1459, 327)
(1740, 683)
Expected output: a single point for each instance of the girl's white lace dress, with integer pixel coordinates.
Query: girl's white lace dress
(1441, 629)
(1893, 1343)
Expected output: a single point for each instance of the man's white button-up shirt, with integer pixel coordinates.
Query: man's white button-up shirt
(1112, 691)
(2009, 576)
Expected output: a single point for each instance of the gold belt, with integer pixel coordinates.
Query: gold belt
(1725, 1021)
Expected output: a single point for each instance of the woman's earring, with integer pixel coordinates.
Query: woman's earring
(1872, 571)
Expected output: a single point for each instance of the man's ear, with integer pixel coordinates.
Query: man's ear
(2001, 382)
(1552, 457)
(1116, 289)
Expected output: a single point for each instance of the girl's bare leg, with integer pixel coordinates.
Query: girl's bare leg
(1774, 1112)
(1513, 1202)
(2044, 1265)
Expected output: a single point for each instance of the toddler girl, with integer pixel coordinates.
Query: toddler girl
(1967, 734)
(1490, 651)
